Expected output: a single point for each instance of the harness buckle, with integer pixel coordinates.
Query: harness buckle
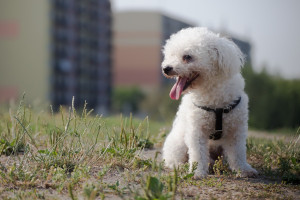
(216, 135)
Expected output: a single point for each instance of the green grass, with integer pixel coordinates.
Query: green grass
(46, 155)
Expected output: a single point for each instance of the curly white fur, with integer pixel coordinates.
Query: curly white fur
(218, 62)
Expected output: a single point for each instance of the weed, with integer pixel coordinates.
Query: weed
(173, 183)
(12, 138)
(141, 163)
(70, 190)
(221, 167)
(103, 172)
(91, 192)
(161, 187)
(153, 189)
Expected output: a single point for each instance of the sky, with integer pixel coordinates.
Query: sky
(271, 26)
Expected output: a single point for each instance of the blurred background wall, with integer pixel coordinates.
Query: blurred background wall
(54, 50)
(138, 40)
(25, 49)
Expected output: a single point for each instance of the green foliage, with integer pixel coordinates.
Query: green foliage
(276, 158)
(274, 102)
(145, 143)
(7, 148)
(155, 188)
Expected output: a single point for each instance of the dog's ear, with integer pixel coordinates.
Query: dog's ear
(228, 57)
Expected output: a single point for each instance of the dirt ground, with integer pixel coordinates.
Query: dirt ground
(224, 187)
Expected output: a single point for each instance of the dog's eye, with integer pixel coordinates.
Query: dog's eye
(187, 58)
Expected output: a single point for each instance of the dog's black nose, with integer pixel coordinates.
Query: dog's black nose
(167, 69)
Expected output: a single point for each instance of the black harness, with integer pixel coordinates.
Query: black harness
(219, 115)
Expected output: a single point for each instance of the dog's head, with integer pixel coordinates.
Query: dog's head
(194, 55)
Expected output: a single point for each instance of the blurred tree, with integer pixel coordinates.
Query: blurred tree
(127, 99)
(273, 101)
(159, 105)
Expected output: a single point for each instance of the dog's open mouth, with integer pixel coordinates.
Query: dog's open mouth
(181, 84)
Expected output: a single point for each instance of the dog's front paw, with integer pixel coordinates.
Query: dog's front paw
(247, 173)
(198, 174)
(171, 164)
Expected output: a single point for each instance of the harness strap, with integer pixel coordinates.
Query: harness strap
(219, 117)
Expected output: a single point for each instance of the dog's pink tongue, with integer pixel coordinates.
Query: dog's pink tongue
(178, 88)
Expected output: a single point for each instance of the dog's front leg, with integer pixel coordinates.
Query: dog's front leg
(235, 151)
(198, 153)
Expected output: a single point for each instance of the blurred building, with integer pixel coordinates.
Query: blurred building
(56, 49)
(138, 39)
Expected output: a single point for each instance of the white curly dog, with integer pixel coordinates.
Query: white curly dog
(213, 114)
